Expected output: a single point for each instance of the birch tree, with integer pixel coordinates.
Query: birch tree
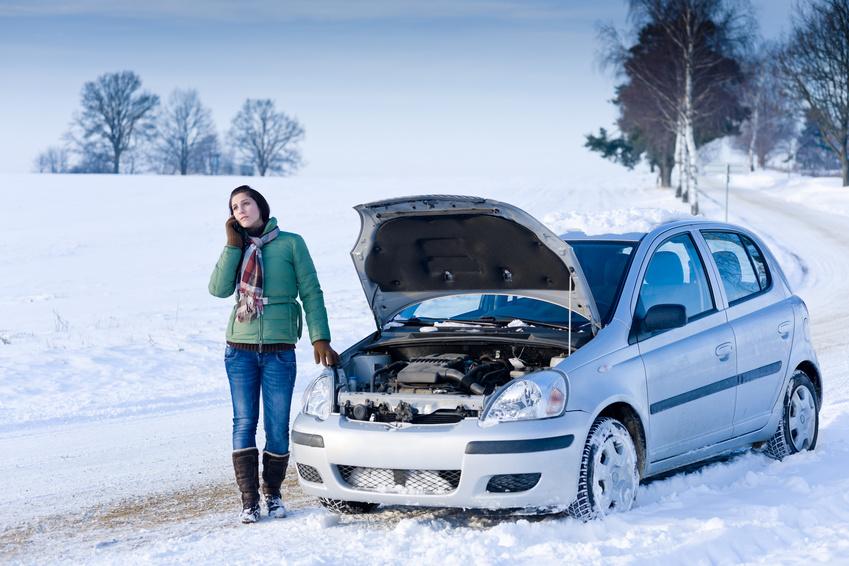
(681, 81)
(705, 36)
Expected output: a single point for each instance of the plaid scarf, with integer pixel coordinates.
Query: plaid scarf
(250, 278)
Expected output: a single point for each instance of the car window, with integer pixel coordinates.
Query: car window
(676, 275)
(443, 307)
(758, 261)
(604, 265)
(472, 307)
(741, 265)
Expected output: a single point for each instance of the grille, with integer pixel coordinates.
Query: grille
(511, 483)
(400, 481)
(308, 473)
(439, 417)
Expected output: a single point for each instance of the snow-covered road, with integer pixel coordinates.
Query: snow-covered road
(816, 241)
(156, 487)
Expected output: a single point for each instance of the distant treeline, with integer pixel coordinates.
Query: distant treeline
(694, 70)
(121, 128)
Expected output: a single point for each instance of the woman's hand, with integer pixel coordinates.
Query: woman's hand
(324, 354)
(231, 227)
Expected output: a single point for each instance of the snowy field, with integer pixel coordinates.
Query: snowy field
(114, 407)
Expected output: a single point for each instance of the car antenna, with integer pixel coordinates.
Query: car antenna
(569, 316)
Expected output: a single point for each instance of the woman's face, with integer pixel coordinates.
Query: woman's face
(246, 211)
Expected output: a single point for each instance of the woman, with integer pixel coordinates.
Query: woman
(267, 269)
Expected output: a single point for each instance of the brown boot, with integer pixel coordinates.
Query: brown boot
(246, 466)
(273, 472)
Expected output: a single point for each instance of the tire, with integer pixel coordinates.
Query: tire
(609, 477)
(342, 507)
(799, 426)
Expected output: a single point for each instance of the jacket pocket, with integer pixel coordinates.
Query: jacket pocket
(245, 332)
(279, 323)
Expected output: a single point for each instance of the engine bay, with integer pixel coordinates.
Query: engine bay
(432, 384)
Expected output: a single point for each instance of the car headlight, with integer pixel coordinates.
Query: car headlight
(318, 397)
(539, 395)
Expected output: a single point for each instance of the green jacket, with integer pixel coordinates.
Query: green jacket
(288, 272)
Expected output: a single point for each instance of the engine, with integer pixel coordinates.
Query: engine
(429, 387)
(444, 373)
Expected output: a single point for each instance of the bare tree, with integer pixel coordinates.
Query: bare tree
(813, 155)
(213, 160)
(772, 122)
(114, 116)
(186, 134)
(815, 65)
(52, 160)
(266, 138)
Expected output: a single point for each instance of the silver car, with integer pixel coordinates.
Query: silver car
(512, 368)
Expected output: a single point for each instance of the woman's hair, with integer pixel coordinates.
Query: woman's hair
(264, 209)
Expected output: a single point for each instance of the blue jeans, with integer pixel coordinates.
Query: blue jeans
(272, 374)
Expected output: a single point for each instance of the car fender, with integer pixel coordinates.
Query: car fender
(618, 377)
(801, 351)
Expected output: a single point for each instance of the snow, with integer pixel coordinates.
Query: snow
(114, 407)
(614, 221)
(818, 193)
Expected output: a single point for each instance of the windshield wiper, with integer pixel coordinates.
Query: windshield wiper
(480, 321)
(414, 321)
(506, 320)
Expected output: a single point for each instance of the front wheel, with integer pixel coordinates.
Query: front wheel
(342, 507)
(799, 425)
(609, 478)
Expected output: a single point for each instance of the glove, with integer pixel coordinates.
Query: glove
(234, 236)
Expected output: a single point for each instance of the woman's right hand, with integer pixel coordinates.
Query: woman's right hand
(234, 236)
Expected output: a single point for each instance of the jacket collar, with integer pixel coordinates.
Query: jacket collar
(270, 225)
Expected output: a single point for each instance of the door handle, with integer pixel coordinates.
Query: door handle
(724, 350)
(784, 329)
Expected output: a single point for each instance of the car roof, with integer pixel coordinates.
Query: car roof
(582, 236)
(634, 237)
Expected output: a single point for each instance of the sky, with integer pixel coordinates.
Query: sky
(383, 88)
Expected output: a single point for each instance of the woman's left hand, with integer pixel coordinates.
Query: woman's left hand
(324, 354)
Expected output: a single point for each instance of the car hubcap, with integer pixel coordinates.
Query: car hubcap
(803, 418)
(615, 473)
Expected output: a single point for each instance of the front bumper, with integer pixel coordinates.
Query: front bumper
(551, 448)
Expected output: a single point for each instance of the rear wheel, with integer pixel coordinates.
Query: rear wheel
(799, 425)
(609, 478)
(343, 507)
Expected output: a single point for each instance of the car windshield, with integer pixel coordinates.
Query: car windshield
(604, 265)
(485, 308)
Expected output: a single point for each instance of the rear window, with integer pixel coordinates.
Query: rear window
(604, 265)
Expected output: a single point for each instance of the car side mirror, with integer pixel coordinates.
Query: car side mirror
(664, 317)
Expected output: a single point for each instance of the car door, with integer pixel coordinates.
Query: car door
(691, 370)
(763, 325)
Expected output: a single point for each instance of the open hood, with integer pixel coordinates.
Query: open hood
(411, 249)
